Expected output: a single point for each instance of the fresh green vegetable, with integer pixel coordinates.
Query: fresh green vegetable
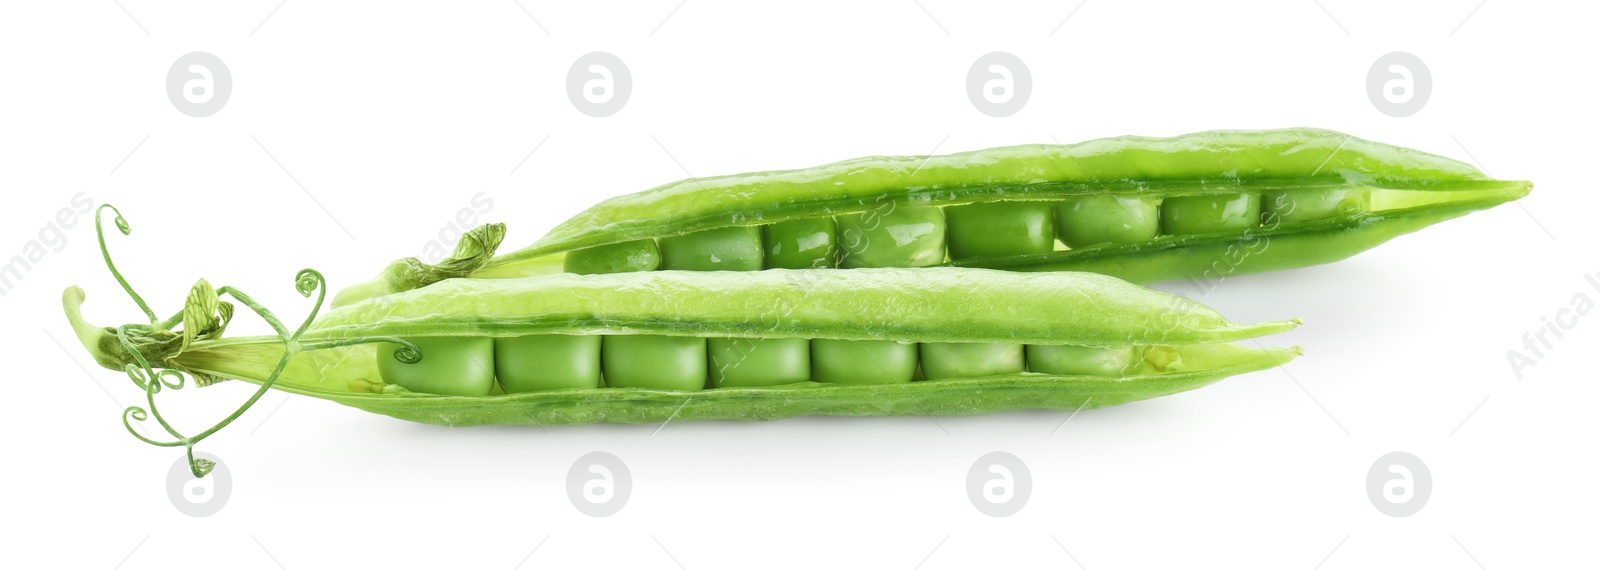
(655, 362)
(1083, 221)
(745, 362)
(801, 244)
(1142, 209)
(999, 229)
(1092, 361)
(721, 249)
(942, 360)
(455, 365)
(543, 362)
(896, 236)
(437, 354)
(1230, 213)
(1312, 205)
(863, 362)
(620, 257)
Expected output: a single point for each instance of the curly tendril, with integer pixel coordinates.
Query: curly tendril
(176, 384)
(408, 353)
(136, 374)
(122, 226)
(142, 380)
(307, 282)
(137, 414)
(153, 348)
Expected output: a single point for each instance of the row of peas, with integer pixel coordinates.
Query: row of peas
(550, 362)
(920, 236)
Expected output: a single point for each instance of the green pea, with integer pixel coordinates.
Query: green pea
(999, 229)
(970, 359)
(1186, 215)
(655, 362)
(1310, 205)
(862, 361)
(1091, 220)
(741, 362)
(1071, 360)
(800, 244)
(450, 366)
(731, 249)
(894, 236)
(547, 362)
(624, 257)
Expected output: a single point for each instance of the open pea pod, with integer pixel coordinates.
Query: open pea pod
(1201, 206)
(680, 345)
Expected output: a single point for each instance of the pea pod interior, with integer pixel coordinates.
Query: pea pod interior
(1143, 209)
(641, 347)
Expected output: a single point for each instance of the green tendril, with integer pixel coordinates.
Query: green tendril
(122, 226)
(408, 352)
(307, 282)
(155, 347)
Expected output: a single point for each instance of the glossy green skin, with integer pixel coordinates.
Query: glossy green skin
(1232, 162)
(637, 255)
(942, 360)
(908, 305)
(1183, 215)
(1279, 206)
(654, 362)
(1174, 258)
(1093, 220)
(724, 249)
(746, 362)
(959, 397)
(861, 362)
(450, 366)
(999, 229)
(1083, 360)
(801, 244)
(547, 362)
(904, 236)
(936, 304)
(1208, 161)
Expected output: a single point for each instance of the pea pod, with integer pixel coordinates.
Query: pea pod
(1199, 206)
(432, 354)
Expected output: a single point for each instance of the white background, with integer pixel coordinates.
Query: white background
(356, 131)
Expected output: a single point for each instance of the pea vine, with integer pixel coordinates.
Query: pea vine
(151, 350)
